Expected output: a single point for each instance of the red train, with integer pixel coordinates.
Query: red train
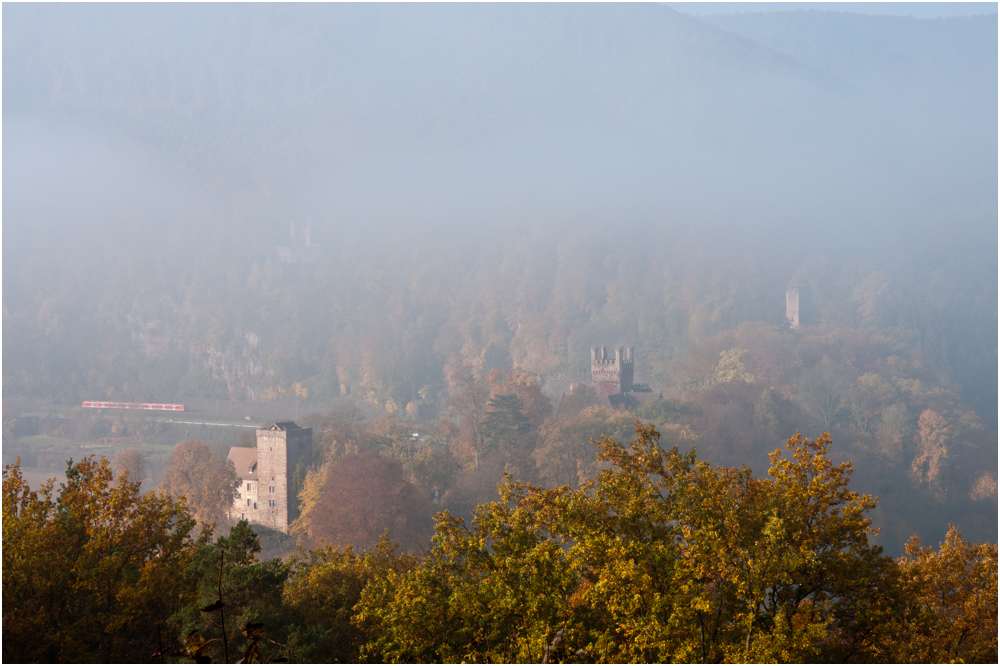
(134, 405)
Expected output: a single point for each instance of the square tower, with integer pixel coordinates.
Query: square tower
(280, 446)
(611, 376)
(798, 306)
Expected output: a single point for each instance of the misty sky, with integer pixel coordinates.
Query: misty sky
(439, 113)
(920, 10)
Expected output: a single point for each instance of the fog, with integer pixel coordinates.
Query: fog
(442, 114)
(487, 185)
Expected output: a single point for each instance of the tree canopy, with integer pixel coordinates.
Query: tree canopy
(91, 569)
(209, 483)
(353, 499)
(657, 557)
(661, 558)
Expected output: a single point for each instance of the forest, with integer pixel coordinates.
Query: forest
(405, 227)
(658, 557)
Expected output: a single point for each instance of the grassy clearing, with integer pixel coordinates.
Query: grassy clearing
(45, 440)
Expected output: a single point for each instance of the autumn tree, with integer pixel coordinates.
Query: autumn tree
(93, 570)
(358, 497)
(344, 428)
(469, 396)
(951, 603)
(131, 461)
(580, 397)
(660, 558)
(565, 454)
(210, 484)
(732, 366)
(933, 437)
(483, 595)
(320, 596)
(527, 386)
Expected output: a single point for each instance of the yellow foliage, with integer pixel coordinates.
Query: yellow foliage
(731, 366)
(933, 439)
(659, 558)
(309, 496)
(88, 569)
(951, 614)
(984, 487)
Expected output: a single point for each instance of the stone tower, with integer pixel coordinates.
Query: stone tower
(266, 495)
(798, 306)
(611, 376)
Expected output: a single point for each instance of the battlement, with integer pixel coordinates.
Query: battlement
(599, 355)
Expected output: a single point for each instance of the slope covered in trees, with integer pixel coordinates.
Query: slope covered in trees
(658, 557)
(686, 173)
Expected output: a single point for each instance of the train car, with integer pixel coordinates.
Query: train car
(152, 406)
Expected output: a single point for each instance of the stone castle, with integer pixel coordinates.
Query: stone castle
(611, 375)
(265, 492)
(300, 250)
(613, 378)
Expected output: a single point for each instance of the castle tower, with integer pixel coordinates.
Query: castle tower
(798, 306)
(611, 376)
(280, 446)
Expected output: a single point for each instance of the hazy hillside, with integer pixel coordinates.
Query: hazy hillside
(495, 186)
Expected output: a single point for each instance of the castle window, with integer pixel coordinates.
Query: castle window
(270, 489)
(274, 503)
(248, 501)
(243, 516)
(248, 486)
(255, 505)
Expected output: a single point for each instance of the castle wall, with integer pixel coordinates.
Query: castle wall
(246, 503)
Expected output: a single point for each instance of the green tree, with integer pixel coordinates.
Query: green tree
(505, 426)
(527, 387)
(250, 591)
(824, 390)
